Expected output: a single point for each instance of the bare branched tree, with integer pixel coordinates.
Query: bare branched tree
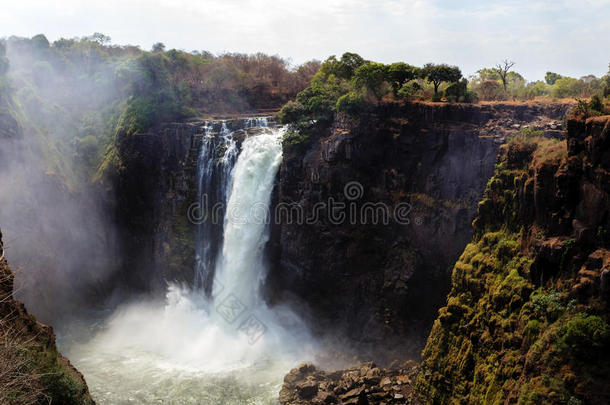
(503, 69)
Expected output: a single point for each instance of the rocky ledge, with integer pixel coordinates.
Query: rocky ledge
(362, 384)
(379, 282)
(32, 370)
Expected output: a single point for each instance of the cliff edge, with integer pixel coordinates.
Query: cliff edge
(526, 320)
(31, 368)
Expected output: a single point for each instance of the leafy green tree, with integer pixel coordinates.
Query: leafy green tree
(537, 89)
(437, 74)
(515, 84)
(343, 68)
(401, 73)
(550, 78)
(348, 64)
(291, 112)
(567, 87)
(351, 103)
(488, 74)
(100, 38)
(40, 42)
(371, 76)
(158, 47)
(409, 90)
(459, 92)
(320, 98)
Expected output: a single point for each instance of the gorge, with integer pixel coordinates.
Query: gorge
(201, 171)
(232, 230)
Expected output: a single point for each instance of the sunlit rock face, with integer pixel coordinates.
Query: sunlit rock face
(531, 288)
(374, 281)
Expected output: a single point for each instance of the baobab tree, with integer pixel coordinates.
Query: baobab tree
(503, 69)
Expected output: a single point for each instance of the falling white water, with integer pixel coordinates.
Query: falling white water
(190, 349)
(241, 269)
(213, 187)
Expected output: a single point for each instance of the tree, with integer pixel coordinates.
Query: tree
(40, 42)
(371, 76)
(436, 74)
(503, 69)
(343, 68)
(606, 80)
(550, 78)
(490, 90)
(537, 89)
(567, 87)
(100, 38)
(349, 63)
(158, 47)
(400, 73)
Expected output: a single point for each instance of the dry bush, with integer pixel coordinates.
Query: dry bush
(18, 385)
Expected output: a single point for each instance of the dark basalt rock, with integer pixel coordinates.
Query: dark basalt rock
(155, 187)
(374, 281)
(362, 384)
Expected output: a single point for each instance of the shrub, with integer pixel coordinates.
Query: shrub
(586, 335)
(567, 87)
(291, 112)
(529, 132)
(408, 90)
(456, 90)
(371, 76)
(547, 306)
(490, 90)
(351, 103)
(596, 104)
(295, 139)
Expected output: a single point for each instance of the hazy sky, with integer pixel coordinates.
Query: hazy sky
(571, 37)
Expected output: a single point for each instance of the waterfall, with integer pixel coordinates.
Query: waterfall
(216, 159)
(225, 346)
(241, 269)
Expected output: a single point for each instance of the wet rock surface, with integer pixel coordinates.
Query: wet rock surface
(155, 188)
(362, 384)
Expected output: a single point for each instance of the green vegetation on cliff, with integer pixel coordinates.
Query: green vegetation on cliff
(81, 96)
(527, 318)
(351, 84)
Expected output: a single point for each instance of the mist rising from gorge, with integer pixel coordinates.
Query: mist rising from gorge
(57, 224)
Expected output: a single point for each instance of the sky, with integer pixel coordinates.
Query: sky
(570, 37)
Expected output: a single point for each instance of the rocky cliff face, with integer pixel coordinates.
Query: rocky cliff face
(426, 166)
(31, 368)
(526, 320)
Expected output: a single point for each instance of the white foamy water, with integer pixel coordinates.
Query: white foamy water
(189, 349)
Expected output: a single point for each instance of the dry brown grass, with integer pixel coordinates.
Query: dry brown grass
(18, 385)
(550, 151)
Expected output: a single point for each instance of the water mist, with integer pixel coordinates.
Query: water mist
(217, 343)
